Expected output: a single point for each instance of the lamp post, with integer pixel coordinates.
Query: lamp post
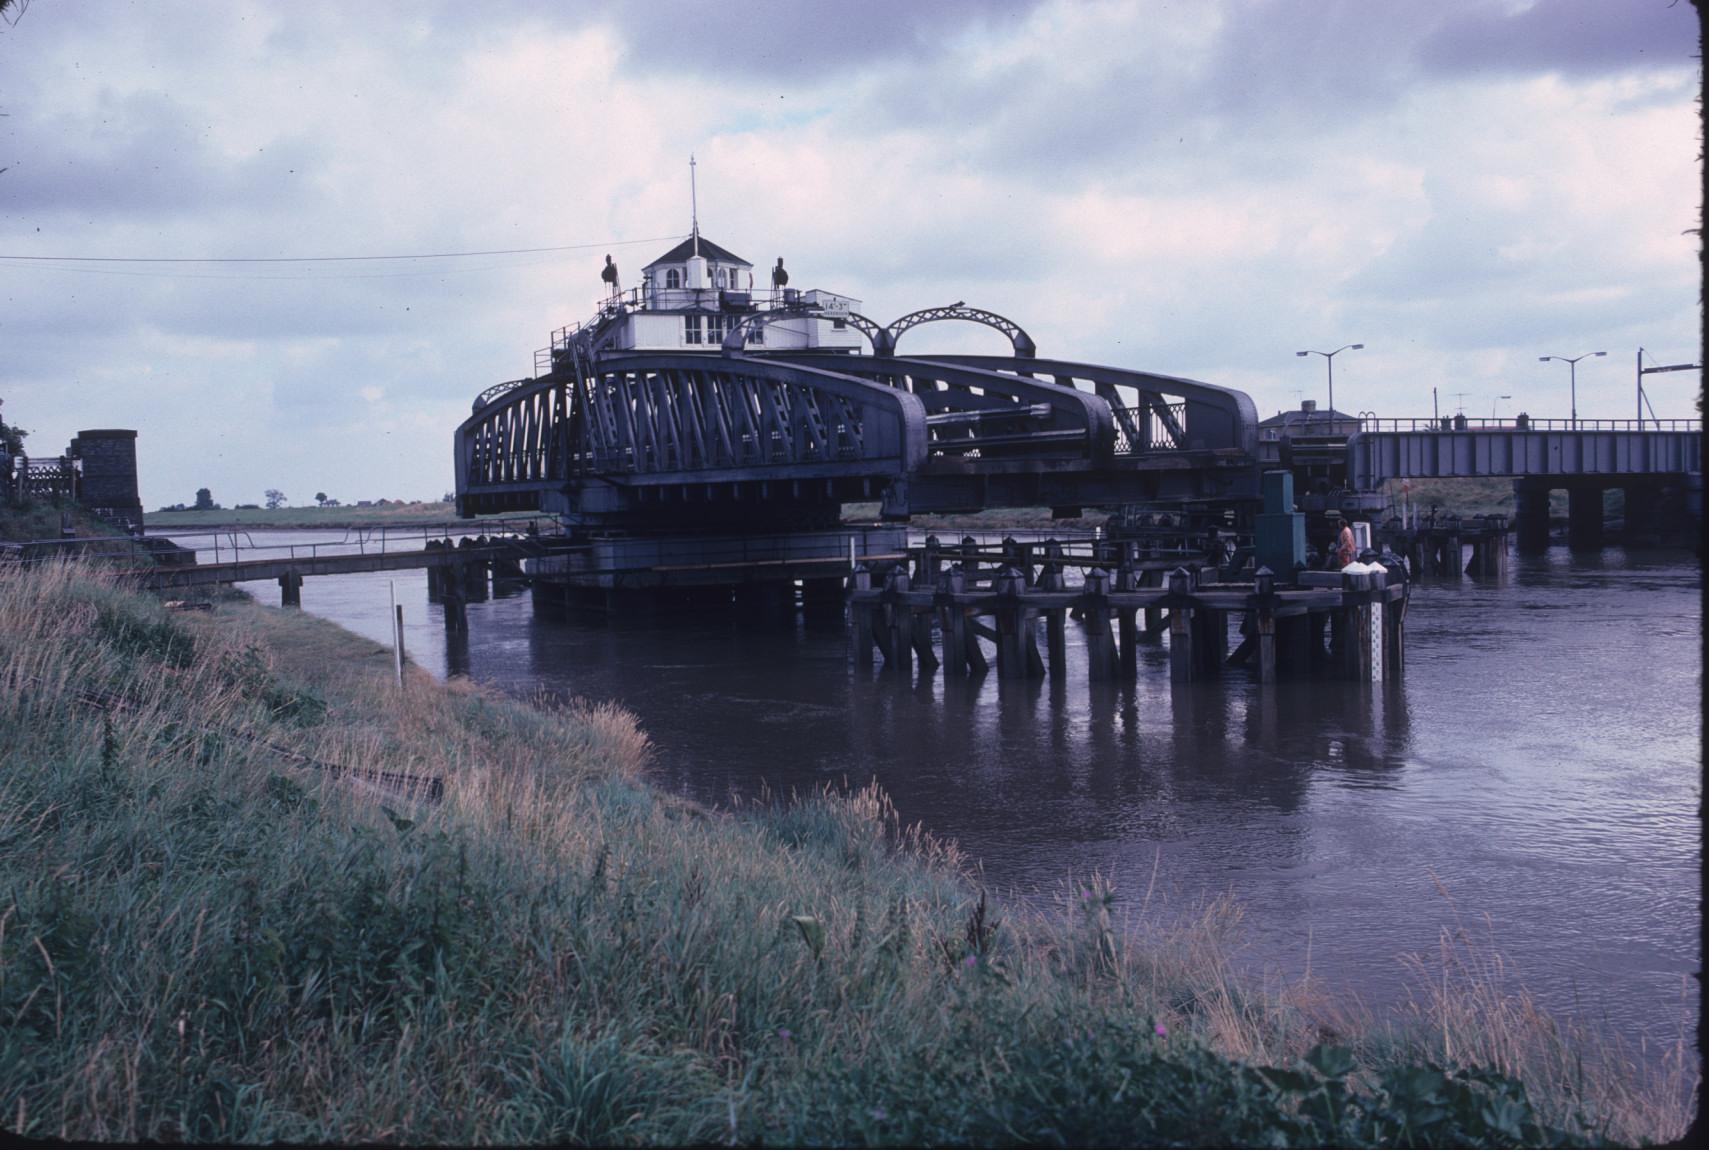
(1496, 404)
(1572, 365)
(1329, 361)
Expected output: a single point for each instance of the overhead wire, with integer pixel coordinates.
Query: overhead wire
(131, 265)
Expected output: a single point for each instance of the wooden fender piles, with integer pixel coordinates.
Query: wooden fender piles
(1283, 629)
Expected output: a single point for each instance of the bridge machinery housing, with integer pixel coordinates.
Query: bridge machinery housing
(694, 404)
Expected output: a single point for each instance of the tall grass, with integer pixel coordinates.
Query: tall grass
(202, 938)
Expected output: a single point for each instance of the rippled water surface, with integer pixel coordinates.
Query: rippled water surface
(1536, 775)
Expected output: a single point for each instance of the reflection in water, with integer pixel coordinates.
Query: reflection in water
(1540, 759)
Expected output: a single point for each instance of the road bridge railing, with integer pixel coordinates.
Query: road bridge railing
(1524, 423)
(1583, 449)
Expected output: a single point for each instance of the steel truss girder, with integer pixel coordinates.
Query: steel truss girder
(1074, 423)
(633, 416)
(1209, 417)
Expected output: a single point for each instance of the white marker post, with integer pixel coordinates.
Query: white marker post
(397, 619)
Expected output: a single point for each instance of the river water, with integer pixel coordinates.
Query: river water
(1535, 776)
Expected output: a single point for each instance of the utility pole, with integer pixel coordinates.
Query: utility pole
(1643, 371)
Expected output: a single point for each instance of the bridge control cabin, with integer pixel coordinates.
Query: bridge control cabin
(696, 293)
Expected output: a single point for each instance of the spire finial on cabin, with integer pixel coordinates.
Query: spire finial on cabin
(693, 205)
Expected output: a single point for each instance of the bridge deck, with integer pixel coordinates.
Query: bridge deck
(1376, 456)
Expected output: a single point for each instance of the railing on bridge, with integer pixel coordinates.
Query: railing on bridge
(230, 545)
(1527, 423)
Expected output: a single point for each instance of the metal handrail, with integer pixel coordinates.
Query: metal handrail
(377, 539)
(1452, 423)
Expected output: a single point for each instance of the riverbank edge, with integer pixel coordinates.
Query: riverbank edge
(809, 970)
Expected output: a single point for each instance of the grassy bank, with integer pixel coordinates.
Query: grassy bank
(207, 934)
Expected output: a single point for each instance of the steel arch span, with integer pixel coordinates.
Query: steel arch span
(685, 436)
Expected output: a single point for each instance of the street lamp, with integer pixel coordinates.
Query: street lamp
(1329, 361)
(1573, 369)
(1496, 404)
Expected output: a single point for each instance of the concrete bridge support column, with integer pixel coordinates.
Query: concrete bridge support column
(290, 589)
(1643, 502)
(1584, 518)
(1531, 514)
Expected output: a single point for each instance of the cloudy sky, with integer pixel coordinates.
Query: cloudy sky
(1199, 189)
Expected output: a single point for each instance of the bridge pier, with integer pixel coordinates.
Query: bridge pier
(1531, 513)
(1584, 517)
(290, 589)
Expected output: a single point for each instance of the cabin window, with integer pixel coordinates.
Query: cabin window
(673, 278)
(839, 324)
(721, 282)
(756, 333)
(690, 328)
(714, 329)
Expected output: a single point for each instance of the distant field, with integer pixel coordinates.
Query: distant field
(398, 513)
(1466, 496)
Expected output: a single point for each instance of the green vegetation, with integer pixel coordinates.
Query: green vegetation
(205, 934)
(42, 518)
(285, 517)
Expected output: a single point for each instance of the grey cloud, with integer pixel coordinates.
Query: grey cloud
(1275, 80)
(143, 154)
(793, 41)
(1579, 37)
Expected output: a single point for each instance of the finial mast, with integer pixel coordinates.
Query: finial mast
(693, 205)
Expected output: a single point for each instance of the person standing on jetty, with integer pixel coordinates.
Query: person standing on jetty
(1342, 552)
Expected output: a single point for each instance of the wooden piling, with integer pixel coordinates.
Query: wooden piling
(952, 620)
(1012, 662)
(1127, 628)
(896, 624)
(1101, 661)
(860, 579)
(1180, 627)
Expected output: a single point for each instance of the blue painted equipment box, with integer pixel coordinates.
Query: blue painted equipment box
(1278, 535)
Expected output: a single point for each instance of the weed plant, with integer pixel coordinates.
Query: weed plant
(206, 935)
